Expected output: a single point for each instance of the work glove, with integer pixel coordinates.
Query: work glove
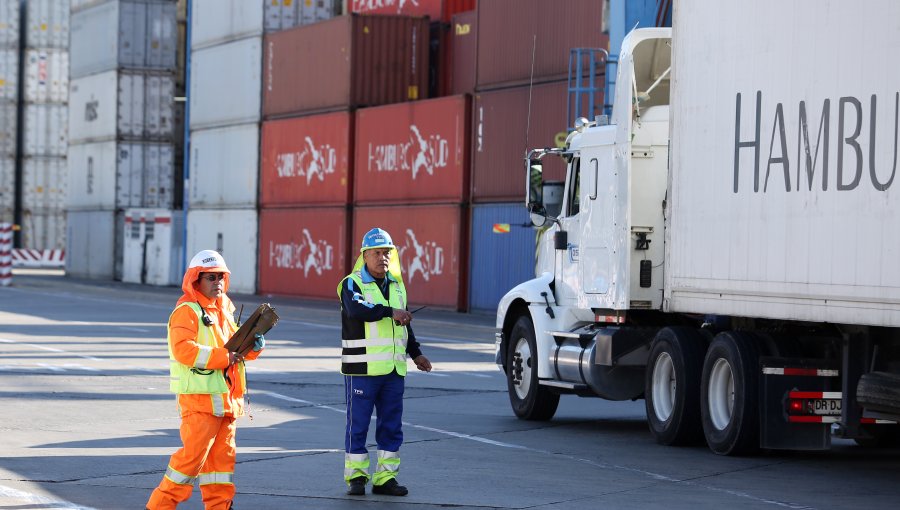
(260, 342)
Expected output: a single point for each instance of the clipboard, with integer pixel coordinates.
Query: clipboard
(261, 321)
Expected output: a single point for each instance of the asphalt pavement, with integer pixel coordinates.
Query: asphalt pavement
(88, 422)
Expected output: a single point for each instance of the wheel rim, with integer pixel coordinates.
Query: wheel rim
(721, 394)
(521, 372)
(664, 387)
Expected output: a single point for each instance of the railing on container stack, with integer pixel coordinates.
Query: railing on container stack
(591, 83)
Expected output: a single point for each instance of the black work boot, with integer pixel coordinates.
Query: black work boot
(390, 488)
(357, 486)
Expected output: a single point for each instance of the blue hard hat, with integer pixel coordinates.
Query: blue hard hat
(376, 238)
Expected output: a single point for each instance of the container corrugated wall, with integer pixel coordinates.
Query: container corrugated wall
(133, 34)
(436, 10)
(227, 74)
(357, 61)
(413, 152)
(303, 251)
(499, 145)
(9, 83)
(463, 52)
(116, 175)
(499, 229)
(432, 245)
(507, 31)
(224, 167)
(231, 232)
(44, 125)
(90, 249)
(306, 160)
(123, 105)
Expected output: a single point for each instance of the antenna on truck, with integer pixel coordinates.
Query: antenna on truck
(530, 87)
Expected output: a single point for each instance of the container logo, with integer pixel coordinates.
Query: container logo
(426, 258)
(308, 255)
(371, 5)
(419, 153)
(313, 162)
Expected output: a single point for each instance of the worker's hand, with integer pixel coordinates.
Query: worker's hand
(233, 358)
(401, 317)
(422, 363)
(260, 342)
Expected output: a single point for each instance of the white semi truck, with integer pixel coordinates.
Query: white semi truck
(728, 242)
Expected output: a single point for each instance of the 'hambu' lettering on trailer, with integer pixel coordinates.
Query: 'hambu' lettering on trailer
(418, 154)
(857, 130)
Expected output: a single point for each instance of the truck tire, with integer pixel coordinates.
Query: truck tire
(729, 394)
(879, 436)
(672, 385)
(879, 391)
(529, 400)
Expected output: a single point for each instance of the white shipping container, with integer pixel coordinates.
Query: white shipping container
(224, 167)
(44, 182)
(48, 24)
(218, 21)
(284, 14)
(91, 244)
(135, 34)
(9, 23)
(45, 127)
(226, 84)
(153, 241)
(7, 187)
(122, 105)
(44, 230)
(231, 232)
(118, 175)
(9, 74)
(783, 198)
(8, 117)
(46, 76)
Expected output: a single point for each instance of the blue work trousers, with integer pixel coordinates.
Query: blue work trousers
(384, 393)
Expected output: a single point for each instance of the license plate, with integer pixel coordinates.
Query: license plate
(824, 406)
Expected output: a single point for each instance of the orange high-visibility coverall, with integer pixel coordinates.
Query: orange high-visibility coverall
(207, 428)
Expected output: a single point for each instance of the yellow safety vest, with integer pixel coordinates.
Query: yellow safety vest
(383, 349)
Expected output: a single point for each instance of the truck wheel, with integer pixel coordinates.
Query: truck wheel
(729, 394)
(879, 391)
(672, 385)
(529, 400)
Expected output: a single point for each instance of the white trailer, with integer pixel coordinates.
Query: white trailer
(728, 239)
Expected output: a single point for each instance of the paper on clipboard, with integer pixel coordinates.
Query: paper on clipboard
(260, 321)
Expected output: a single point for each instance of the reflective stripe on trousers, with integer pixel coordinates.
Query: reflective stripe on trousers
(388, 466)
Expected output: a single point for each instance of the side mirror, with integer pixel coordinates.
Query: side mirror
(534, 196)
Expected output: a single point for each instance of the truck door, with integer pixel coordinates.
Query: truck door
(568, 279)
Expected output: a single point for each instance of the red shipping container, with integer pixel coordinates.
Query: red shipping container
(441, 10)
(303, 252)
(463, 52)
(499, 147)
(413, 152)
(510, 30)
(306, 160)
(432, 242)
(343, 63)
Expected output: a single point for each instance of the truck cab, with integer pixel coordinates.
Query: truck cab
(602, 256)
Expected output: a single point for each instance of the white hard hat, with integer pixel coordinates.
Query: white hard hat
(211, 262)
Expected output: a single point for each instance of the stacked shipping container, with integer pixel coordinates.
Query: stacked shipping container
(226, 103)
(9, 79)
(412, 179)
(122, 126)
(44, 113)
(493, 50)
(307, 138)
